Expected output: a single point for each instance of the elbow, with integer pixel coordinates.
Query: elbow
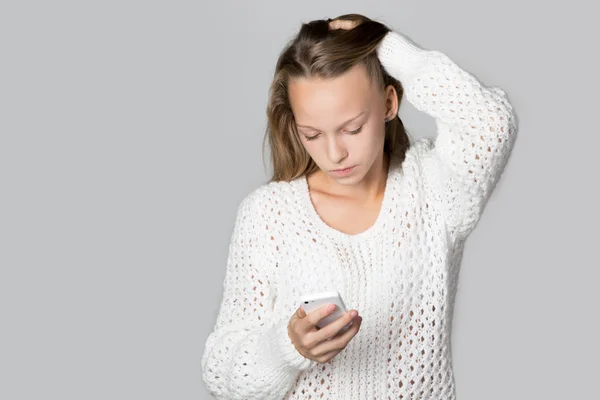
(506, 119)
(501, 134)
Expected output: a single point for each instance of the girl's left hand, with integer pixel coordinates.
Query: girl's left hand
(342, 24)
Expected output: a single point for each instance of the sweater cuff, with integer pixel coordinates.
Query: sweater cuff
(285, 351)
(400, 56)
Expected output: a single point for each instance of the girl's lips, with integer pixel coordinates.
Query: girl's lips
(344, 171)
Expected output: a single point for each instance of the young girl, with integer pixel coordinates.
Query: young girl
(358, 207)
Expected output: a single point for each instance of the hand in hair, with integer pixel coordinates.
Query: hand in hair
(342, 24)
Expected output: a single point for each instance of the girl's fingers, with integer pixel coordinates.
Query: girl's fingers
(342, 24)
(314, 317)
(335, 327)
(328, 356)
(338, 342)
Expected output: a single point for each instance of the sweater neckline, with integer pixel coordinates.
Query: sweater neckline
(337, 234)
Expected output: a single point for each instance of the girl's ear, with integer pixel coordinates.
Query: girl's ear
(391, 102)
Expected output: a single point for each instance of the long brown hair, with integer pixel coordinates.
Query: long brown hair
(317, 51)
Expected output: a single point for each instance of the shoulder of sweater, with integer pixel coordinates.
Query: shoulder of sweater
(267, 194)
(415, 171)
(418, 154)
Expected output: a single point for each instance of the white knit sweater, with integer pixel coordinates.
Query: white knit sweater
(400, 274)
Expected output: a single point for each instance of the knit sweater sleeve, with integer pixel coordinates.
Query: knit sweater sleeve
(249, 354)
(476, 127)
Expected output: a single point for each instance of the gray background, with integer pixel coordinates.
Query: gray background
(131, 130)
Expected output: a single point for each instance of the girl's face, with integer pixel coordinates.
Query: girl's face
(341, 122)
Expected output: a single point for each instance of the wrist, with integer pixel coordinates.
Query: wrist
(284, 349)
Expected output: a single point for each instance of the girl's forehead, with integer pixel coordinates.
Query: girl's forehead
(333, 99)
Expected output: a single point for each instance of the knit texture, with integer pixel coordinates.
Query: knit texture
(400, 274)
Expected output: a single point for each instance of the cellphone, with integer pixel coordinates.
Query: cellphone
(314, 301)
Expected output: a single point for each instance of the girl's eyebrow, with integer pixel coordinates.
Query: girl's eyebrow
(350, 120)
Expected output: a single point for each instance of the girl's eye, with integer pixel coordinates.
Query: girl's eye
(356, 131)
(350, 132)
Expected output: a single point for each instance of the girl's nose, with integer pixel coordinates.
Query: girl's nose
(336, 151)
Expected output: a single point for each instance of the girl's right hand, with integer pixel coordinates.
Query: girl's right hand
(321, 345)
